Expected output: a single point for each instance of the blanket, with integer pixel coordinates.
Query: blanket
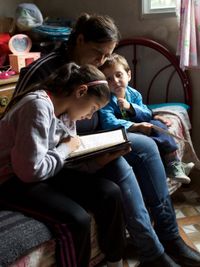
(19, 234)
(181, 126)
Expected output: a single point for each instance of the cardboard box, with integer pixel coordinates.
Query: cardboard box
(19, 61)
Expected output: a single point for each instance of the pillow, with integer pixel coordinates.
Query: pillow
(153, 106)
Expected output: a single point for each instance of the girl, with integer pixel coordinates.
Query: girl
(35, 142)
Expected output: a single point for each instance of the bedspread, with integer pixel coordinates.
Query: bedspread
(44, 255)
(181, 126)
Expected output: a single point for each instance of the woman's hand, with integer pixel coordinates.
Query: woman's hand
(72, 142)
(163, 119)
(142, 127)
(104, 159)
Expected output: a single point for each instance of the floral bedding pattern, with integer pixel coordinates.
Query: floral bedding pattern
(181, 126)
(41, 256)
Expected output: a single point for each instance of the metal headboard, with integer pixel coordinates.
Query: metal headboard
(169, 71)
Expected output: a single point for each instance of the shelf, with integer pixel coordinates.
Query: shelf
(12, 79)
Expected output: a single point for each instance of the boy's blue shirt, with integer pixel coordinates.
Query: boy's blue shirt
(111, 117)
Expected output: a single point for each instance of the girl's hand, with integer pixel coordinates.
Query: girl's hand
(166, 121)
(104, 159)
(142, 127)
(72, 142)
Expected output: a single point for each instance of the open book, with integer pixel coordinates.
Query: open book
(100, 142)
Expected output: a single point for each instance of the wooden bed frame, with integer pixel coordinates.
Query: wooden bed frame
(166, 83)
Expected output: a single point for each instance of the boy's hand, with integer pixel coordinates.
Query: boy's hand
(142, 127)
(123, 104)
(166, 121)
(104, 159)
(72, 142)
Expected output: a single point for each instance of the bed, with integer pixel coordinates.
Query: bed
(166, 88)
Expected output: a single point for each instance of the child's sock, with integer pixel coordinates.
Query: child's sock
(115, 264)
(171, 157)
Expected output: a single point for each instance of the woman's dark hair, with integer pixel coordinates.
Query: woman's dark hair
(94, 28)
(65, 79)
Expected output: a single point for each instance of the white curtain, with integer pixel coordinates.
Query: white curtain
(188, 48)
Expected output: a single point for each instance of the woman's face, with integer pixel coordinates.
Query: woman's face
(93, 53)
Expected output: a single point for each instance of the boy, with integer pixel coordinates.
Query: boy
(127, 109)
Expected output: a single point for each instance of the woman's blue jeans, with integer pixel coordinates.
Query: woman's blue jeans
(148, 194)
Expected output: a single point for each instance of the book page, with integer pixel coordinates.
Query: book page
(95, 142)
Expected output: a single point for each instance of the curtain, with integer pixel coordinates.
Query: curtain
(188, 48)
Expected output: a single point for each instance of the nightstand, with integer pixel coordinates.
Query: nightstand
(7, 87)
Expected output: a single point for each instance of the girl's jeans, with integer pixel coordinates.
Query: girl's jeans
(149, 187)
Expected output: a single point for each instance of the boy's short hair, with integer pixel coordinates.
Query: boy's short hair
(115, 59)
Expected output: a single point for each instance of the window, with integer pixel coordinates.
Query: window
(158, 7)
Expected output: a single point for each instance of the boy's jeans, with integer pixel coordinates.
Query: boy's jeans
(151, 188)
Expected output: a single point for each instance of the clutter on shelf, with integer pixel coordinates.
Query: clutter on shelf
(6, 72)
(20, 45)
(7, 27)
(53, 32)
(28, 16)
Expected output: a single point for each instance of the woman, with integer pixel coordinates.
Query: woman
(92, 40)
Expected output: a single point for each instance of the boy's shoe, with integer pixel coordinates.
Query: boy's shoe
(175, 171)
(188, 167)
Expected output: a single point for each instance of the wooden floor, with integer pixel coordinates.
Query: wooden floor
(187, 207)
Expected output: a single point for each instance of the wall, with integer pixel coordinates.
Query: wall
(8, 7)
(126, 14)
